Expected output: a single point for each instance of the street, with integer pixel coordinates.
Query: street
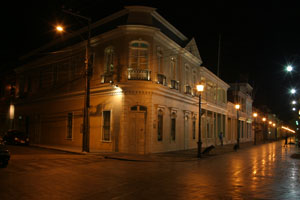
(264, 171)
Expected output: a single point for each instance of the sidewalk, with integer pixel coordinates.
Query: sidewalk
(172, 156)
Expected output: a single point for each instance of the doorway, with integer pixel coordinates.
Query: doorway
(137, 130)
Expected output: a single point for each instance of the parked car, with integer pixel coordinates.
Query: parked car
(4, 155)
(16, 137)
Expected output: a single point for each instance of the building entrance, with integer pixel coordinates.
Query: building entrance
(137, 130)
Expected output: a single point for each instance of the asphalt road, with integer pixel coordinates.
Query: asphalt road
(262, 172)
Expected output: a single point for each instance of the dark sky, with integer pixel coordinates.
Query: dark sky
(258, 39)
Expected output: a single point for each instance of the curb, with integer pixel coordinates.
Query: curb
(57, 149)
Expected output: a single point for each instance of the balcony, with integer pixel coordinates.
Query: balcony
(161, 79)
(139, 74)
(174, 84)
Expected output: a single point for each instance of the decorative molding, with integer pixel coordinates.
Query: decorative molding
(173, 112)
(186, 114)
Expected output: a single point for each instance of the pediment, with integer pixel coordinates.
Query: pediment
(192, 48)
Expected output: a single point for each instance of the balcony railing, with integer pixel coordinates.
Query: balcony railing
(139, 74)
(174, 84)
(161, 79)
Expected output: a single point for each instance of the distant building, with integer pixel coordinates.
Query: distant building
(241, 93)
(143, 96)
(7, 95)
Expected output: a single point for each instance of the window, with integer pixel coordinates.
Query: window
(173, 68)
(109, 60)
(159, 60)
(160, 126)
(187, 75)
(106, 126)
(173, 129)
(70, 126)
(194, 130)
(138, 55)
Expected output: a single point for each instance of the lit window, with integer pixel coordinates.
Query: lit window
(138, 55)
(109, 59)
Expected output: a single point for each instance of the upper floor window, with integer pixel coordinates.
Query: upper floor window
(187, 75)
(159, 55)
(139, 55)
(109, 59)
(173, 67)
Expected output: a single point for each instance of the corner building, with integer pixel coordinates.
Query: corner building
(143, 89)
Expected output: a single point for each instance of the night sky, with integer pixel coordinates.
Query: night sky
(258, 40)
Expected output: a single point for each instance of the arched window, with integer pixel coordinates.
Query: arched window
(109, 60)
(138, 55)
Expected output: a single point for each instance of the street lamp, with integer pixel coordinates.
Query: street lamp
(289, 68)
(59, 28)
(264, 128)
(293, 91)
(200, 89)
(237, 107)
(255, 115)
(86, 123)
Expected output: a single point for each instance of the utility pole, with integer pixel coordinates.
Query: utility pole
(87, 75)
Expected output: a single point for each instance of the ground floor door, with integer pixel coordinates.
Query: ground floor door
(137, 133)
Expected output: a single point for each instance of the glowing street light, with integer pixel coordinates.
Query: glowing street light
(255, 115)
(294, 109)
(264, 129)
(200, 89)
(293, 91)
(237, 107)
(59, 28)
(289, 68)
(294, 102)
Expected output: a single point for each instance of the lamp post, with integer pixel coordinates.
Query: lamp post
(264, 127)
(237, 107)
(87, 76)
(255, 115)
(200, 89)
